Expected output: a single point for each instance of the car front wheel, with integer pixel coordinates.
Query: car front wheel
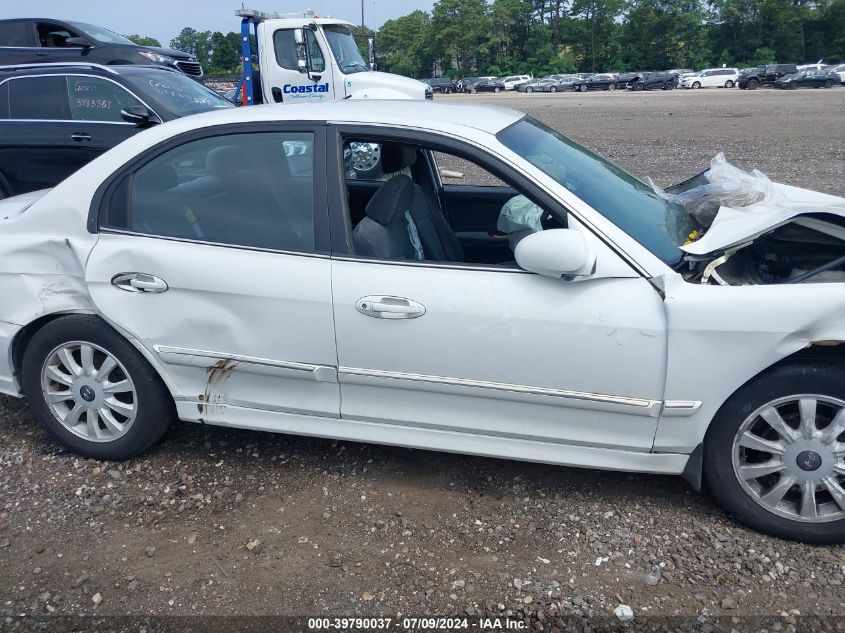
(582, 88)
(729, 84)
(774, 456)
(828, 83)
(696, 85)
(93, 392)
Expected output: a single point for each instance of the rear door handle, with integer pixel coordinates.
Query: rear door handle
(80, 136)
(381, 307)
(139, 282)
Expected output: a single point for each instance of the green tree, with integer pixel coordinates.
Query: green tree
(143, 40)
(406, 46)
(197, 43)
(225, 53)
(461, 30)
(597, 28)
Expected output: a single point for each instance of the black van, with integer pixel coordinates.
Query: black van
(40, 41)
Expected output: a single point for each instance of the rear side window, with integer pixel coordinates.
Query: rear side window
(43, 98)
(253, 190)
(96, 99)
(16, 34)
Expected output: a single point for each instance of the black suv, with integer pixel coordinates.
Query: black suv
(764, 75)
(37, 41)
(443, 85)
(57, 117)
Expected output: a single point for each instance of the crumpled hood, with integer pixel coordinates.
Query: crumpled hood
(12, 207)
(376, 85)
(734, 226)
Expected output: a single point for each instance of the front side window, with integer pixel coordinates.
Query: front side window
(284, 45)
(96, 99)
(41, 98)
(238, 189)
(55, 36)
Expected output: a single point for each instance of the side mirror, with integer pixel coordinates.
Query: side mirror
(79, 42)
(299, 37)
(137, 115)
(559, 253)
(302, 65)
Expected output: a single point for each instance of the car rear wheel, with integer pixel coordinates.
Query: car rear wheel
(497, 89)
(752, 84)
(637, 87)
(669, 85)
(794, 86)
(774, 455)
(828, 83)
(696, 85)
(529, 89)
(611, 87)
(553, 89)
(729, 84)
(93, 392)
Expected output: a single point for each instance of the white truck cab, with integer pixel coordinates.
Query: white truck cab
(306, 58)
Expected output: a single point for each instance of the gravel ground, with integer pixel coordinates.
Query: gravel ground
(222, 522)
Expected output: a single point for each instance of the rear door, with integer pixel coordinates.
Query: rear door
(17, 42)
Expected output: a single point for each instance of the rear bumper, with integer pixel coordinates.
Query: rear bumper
(8, 383)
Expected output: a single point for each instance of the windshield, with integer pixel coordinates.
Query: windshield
(632, 205)
(345, 49)
(176, 93)
(102, 35)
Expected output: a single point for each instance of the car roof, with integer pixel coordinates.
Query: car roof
(411, 113)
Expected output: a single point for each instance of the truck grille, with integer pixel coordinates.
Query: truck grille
(190, 68)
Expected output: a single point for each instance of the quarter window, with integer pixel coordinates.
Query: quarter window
(253, 190)
(95, 99)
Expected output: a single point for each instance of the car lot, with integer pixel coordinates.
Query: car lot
(221, 522)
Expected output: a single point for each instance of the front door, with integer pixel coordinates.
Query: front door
(281, 79)
(209, 254)
(492, 350)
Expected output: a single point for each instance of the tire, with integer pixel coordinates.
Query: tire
(553, 89)
(122, 436)
(669, 85)
(583, 87)
(752, 84)
(497, 90)
(794, 86)
(611, 87)
(529, 89)
(741, 416)
(828, 83)
(696, 85)
(637, 87)
(729, 84)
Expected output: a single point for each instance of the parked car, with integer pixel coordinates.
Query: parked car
(55, 118)
(838, 71)
(624, 78)
(468, 84)
(39, 41)
(808, 79)
(764, 75)
(712, 78)
(601, 81)
(443, 85)
(136, 292)
(514, 81)
(490, 85)
(547, 84)
(653, 81)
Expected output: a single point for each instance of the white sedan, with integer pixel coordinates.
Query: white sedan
(238, 269)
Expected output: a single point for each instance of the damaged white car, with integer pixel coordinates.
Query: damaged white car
(242, 268)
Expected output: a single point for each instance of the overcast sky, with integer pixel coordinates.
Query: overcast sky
(163, 19)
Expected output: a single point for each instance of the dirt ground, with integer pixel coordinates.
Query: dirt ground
(217, 522)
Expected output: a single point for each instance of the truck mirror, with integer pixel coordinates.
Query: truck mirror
(299, 37)
(302, 65)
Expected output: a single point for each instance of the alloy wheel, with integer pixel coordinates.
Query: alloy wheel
(89, 391)
(789, 457)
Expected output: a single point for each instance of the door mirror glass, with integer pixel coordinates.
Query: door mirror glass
(559, 253)
(136, 114)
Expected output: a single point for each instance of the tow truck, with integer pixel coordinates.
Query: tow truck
(302, 57)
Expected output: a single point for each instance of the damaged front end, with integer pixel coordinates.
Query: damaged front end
(755, 231)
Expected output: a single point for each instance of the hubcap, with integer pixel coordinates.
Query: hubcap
(789, 456)
(89, 392)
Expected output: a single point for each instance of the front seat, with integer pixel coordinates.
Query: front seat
(384, 232)
(438, 240)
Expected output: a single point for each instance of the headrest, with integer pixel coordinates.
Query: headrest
(224, 160)
(391, 200)
(395, 158)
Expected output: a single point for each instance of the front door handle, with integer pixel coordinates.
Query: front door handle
(139, 282)
(380, 307)
(80, 136)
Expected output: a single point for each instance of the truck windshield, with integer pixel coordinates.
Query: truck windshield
(175, 93)
(102, 35)
(345, 49)
(632, 205)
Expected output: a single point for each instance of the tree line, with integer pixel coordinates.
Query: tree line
(473, 37)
